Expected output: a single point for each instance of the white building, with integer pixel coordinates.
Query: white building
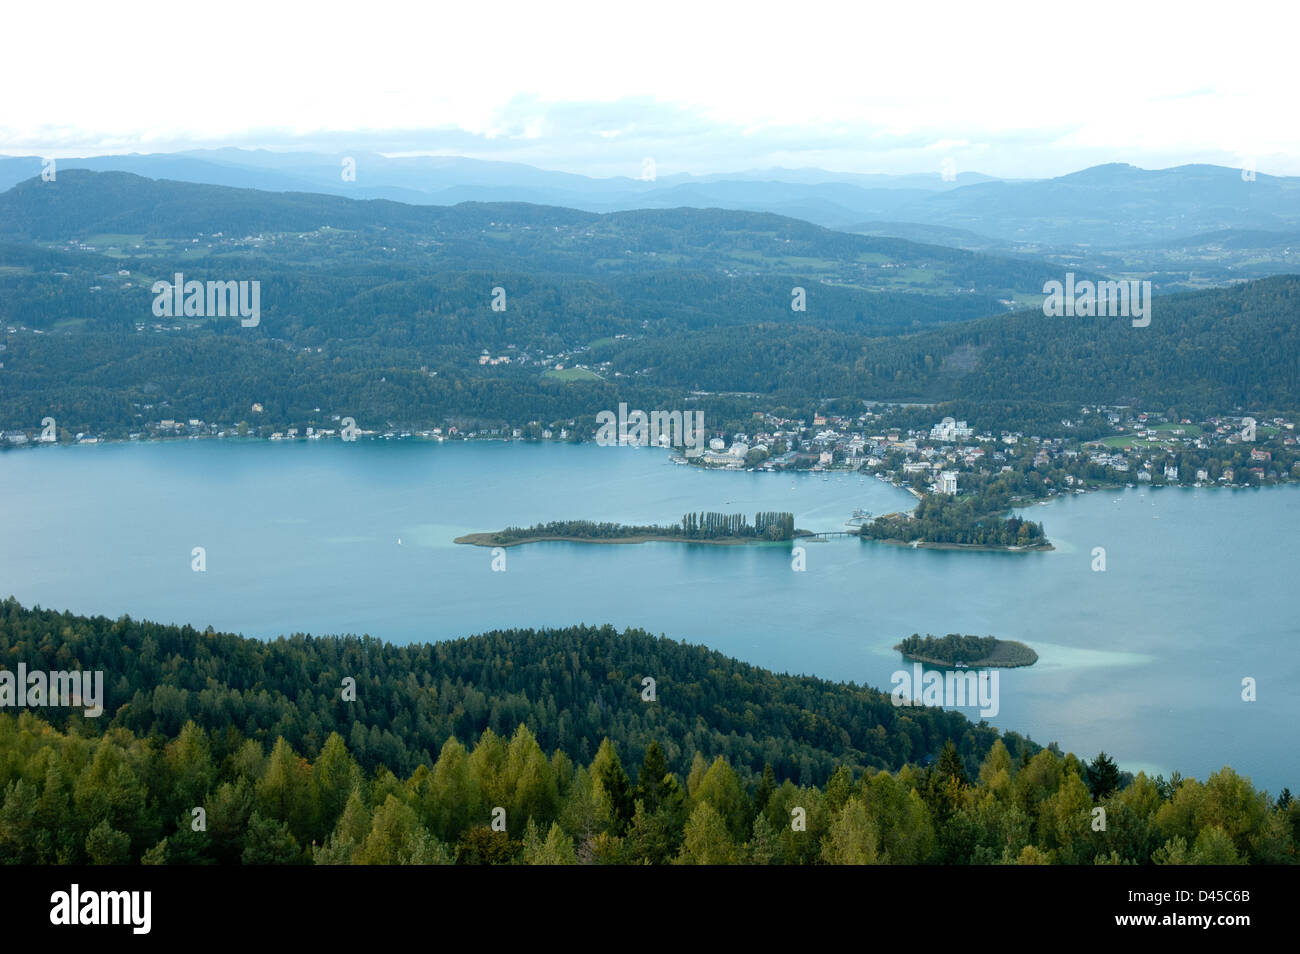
(948, 482)
(950, 430)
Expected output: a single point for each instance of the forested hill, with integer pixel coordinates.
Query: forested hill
(1212, 350)
(1203, 353)
(1236, 346)
(80, 203)
(258, 738)
(571, 687)
(389, 317)
(84, 205)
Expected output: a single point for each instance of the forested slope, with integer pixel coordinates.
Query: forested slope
(537, 747)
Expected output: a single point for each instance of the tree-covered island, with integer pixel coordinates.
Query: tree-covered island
(703, 527)
(974, 522)
(974, 651)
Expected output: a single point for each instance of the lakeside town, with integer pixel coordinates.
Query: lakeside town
(949, 457)
(1145, 447)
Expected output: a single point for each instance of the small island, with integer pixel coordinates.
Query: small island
(704, 527)
(967, 651)
(967, 523)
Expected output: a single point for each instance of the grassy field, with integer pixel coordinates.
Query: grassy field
(1165, 432)
(569, 375)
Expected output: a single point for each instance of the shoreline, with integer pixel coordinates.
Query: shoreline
(1007, 654)
(991, 548)
(979, 664)
(457, 439)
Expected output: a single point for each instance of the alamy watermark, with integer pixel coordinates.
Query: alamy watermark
(60, 689)
(954, 688)
(1108, 299)
(100, 908)
(194, 299)
(658, 428)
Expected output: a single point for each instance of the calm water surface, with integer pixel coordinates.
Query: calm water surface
(1144, 660)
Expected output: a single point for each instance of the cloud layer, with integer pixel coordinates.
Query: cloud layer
(1017, 90)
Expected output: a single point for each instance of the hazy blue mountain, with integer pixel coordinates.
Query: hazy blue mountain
(827, 198)
(1112, 206)
(125, 216)
(1116, 205)
(177, 166)
(80, 204)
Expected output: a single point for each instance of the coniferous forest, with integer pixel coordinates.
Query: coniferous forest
(577, 745)
(529, 436)
(706, 525)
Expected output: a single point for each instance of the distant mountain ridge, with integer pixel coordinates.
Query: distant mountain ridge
(81, 204)
(1113, 204)
(387, 313)
(827, 198)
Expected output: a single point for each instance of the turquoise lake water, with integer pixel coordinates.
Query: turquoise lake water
(1144, 660)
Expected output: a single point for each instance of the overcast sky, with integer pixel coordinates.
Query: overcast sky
(1008, 89)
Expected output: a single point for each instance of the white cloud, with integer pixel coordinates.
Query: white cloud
(702, 86)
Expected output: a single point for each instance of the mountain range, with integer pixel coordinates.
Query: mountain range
(1114, 205)
(384, 310)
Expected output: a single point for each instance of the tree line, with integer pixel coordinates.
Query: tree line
(974, 520)
(540, 747)
(705, 525)
(120, 798)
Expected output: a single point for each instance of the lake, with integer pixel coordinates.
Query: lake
(1144, 660)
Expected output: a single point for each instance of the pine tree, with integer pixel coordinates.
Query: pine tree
(852, 838)
(838, 787)
(334, 776)
(269, 842)
(950, 767)
(1103, 776)
(706, 839)
(650, 781)
(763, 847)
(454, 799)
(107, 846)
(615, 788)
(721, 787)
(766, 786)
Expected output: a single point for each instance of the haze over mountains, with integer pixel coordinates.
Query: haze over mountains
(127, 216)
(1114, 205)
(384, 310)
(812, 194)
